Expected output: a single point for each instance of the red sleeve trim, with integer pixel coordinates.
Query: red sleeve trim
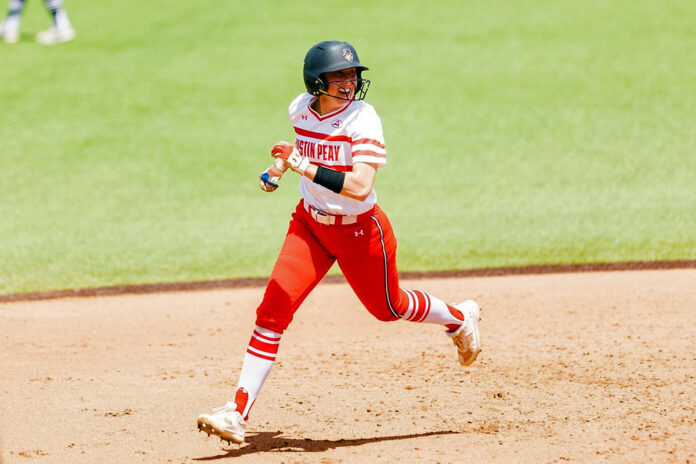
(374, 142)
(368, 153)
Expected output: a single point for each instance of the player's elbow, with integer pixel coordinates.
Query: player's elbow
(358, 183)
(360, 193)
(363, 194)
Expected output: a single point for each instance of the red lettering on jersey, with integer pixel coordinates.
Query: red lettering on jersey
(325, 149)
(305, 147)
(333, 152)
(318, 151)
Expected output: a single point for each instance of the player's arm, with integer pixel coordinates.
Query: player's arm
(356, 184)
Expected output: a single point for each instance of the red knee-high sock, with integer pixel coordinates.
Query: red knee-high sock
(424, 307)
(258, 362)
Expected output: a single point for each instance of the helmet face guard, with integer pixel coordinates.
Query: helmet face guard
(359, 85)
(332, 56)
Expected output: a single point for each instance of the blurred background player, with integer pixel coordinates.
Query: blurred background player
(339, 146)
(60, 31)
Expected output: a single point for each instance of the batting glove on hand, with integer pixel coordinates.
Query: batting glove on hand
(268, 179)
(290, 156)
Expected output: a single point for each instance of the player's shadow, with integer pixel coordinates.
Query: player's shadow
(275, 442)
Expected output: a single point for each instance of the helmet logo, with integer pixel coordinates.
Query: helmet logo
(347, 55)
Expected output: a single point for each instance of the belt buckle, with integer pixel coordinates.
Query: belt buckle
(320, 217)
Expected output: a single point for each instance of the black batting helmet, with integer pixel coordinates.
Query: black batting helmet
(329, 56)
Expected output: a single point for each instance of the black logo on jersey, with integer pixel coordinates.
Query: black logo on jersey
(336, 123)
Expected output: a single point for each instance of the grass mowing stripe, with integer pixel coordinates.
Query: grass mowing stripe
(517, 134)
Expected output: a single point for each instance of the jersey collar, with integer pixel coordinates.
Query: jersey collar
(321, 117)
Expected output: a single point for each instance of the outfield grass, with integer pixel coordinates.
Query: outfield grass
(518, 133)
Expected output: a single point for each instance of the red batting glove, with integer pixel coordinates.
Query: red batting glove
(290, 156)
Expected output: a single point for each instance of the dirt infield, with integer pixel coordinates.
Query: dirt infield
(576, 367)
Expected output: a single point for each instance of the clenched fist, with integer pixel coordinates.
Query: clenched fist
(290, 156)
(268, 179)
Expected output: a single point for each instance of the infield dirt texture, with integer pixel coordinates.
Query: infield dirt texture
(585, 367)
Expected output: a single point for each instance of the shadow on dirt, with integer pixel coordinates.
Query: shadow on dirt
(275, 442)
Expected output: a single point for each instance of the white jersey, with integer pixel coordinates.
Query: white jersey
(336, 140)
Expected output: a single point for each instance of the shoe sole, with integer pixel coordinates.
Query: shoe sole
(50, 43)
(225, 435)
(55, 40)
(477, 340)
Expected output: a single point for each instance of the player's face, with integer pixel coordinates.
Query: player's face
(342, 83)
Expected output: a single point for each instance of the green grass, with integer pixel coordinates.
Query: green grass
(518, 133)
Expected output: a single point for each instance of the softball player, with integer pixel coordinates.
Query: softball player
(60, 31)
(338, 149)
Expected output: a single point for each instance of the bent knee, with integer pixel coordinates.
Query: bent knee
(272, 318)
(388, 318)
(384, 313)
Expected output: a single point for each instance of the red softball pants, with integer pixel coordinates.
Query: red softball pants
(366, 254)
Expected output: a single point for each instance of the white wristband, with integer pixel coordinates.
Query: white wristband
(304, 164)
(298, 162)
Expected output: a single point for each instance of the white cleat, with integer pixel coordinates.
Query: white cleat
(9, 34)
(225, 422)
(55, 35)
(467, 338)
